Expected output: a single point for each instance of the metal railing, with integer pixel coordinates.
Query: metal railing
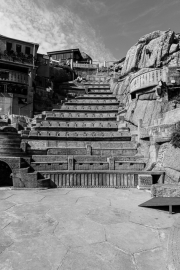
(17, 58)
(13, 76)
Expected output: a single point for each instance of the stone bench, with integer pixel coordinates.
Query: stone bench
(124, 136)
(78, 124)
(91, 165)
(49, 158)
(125, 165)
(55, 165)
(114, 152)
(165, 190)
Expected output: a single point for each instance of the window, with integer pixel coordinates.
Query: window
(9, 46)
(27, 50)
(18, 48)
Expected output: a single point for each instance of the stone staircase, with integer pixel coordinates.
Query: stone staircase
(79, 144)
(10, 142)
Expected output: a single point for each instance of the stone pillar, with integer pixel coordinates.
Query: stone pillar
(89, 150)
(70, 163)
(111, 163)
(144, 181)
(139, 128)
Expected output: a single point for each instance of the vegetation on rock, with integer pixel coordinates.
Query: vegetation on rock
(175, 138)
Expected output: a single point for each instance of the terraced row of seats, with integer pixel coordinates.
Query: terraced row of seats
(82, 136)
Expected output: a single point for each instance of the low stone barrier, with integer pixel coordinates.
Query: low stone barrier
(165, 190)
(121, 179)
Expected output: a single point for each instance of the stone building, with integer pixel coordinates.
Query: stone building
(17, 72)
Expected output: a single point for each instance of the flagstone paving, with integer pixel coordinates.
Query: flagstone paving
(85, 229)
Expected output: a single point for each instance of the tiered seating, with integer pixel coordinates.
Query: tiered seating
(81, 136)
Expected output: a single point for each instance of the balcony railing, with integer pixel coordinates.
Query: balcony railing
(14, 89)
(17, 57)
(14, 76)
(147, 79)
(79, 65)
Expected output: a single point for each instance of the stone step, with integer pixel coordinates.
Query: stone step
(77, 135)
(11, 152)
(100, 87)
(7, 139)
(94, 152)
(45, 144)
(96, 96)
(87, 110)
(78, 115)
(79, 158)
(86, 165)
(75, 125)
(75, 129)
(91, 108)
(10, 144)
(94, 84)
(100, 92)
(10, 148)
(80, 118)
(91, 102)
(13, 155)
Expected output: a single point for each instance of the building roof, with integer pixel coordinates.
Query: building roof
(85, 56)
(27, 42)
(64, 51)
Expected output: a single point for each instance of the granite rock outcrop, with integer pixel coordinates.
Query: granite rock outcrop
(152, 50)
(159, 49)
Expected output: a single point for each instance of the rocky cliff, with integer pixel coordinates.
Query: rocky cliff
(158, 49)
(152, 50)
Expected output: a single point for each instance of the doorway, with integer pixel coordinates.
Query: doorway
(5, 175)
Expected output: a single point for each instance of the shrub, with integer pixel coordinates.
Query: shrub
(175, 137)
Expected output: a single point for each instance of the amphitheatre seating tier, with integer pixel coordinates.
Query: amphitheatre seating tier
(89, 107)
(92, 102)
(97, 92)
(45, 144)
(108, 152)
(98, 85)
(79, 158)
(87, 165)
(78, 115)
(96, 96)
(89, 135)
(60, 125)
(78, 142)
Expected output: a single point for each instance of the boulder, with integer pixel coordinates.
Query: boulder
(150, 51)
(167, 190)
(173, 48)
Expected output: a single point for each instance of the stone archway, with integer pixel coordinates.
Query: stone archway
(5, 174)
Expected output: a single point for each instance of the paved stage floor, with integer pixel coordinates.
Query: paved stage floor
(86, 229)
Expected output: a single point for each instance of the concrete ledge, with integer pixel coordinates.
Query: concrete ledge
(165, 190)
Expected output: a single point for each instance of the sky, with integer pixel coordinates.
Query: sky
(104, 29)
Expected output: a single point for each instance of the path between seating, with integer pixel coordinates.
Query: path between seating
(84, 229)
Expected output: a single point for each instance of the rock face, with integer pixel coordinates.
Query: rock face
(154, 50)
(151, 51)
